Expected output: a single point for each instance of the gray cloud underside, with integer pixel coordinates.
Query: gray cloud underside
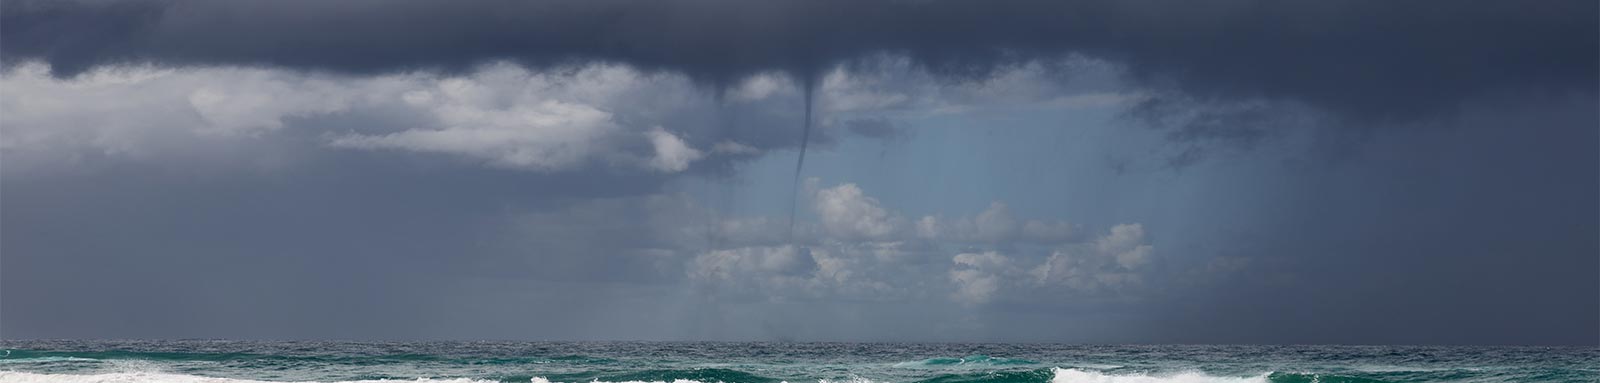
(1372, 60)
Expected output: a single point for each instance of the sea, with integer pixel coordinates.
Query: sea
(220, 361)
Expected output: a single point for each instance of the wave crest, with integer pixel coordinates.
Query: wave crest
(971, 360)
(1073, 375)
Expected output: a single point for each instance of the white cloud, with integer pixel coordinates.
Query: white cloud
(849, 213)
(862, 250)
(1126, 244)
(977, 276)
(549, 135)
(509, 117)
(1108, 267)
(729, 264)
(1112, 262)
(501, 115)
(143, 111)
(672, 154)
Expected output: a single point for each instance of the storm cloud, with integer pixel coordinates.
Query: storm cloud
(1368, 59)
(1089, 171)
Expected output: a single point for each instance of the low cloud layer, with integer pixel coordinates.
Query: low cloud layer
(1371, 60)
(863, 250)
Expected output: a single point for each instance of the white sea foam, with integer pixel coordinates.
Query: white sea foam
(853, 379)
(1073, 375)
(162, 377)
(537, 379)
(1097, 366)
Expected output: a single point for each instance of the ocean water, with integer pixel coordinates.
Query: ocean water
(690, 362)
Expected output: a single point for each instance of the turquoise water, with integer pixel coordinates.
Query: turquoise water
(689, 362)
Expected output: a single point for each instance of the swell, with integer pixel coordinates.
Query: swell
(1041, 375)
(972, 360)
(158, 377)
(133, 355)
(1288, 377)
(359, 360)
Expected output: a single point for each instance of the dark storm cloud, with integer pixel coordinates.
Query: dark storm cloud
(1477, 225)
(1479, 232)
(1375, 60)
(358, 246)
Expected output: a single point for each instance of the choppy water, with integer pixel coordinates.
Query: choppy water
(547, 362)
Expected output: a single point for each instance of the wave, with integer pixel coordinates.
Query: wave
(1042, 375)
(689, 375)
(1069, 375)
(26, 356)
(160, 377)
(1288, 377)
(1052, 375)
(1073, 375)
(110, 355)
(48, 359)
(972, 360)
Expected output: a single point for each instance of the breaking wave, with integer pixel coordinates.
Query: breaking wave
(1072, 375)
(1043, 375)
(973, 360)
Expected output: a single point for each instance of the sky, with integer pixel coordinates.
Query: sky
(1287, 172)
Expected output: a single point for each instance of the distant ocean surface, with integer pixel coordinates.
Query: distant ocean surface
(554, 362)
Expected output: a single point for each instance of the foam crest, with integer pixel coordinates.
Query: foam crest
(538, 379)
(968, 361)
(161, 377)
(1072, 375)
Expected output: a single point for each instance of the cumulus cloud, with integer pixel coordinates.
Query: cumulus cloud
(548, 135)
(1111, 263)
(672, 154)
(847, 212)
(500, 115)
(1109, 267)
(978, 275)
(507, 116)
(859, 249)
(142, 111)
